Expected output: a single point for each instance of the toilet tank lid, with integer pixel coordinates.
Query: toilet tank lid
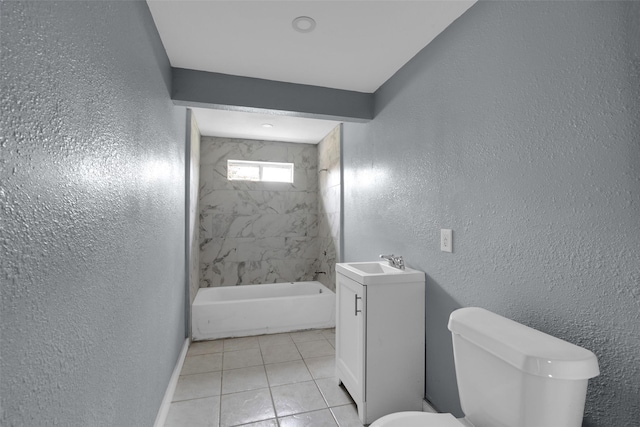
(525, 348)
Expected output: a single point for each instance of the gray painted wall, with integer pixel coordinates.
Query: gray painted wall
(92, 199)
(518, 128)
(214, 90)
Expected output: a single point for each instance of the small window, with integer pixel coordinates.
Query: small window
(259, 171)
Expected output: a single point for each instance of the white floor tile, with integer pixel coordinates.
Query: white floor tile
(347, 416)
(244, 379)
(322, 367)
(198, 385)
(202, 363)
(226, 383)
(246, 407)
(312, 335)
(315, 348)
(280, 353)
(242, 343)
(274, 340)
(322, 418)
(194, 413)
(330, 335)
(297, 398)
(287, 373)
(205, 347)
(242, 358)
(265, 423)
(333, 394)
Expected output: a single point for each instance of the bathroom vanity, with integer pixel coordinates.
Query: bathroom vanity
(380, 343)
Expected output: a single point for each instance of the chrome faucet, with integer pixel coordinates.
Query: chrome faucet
(394, 261)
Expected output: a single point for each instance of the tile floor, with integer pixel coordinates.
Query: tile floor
(284, 380)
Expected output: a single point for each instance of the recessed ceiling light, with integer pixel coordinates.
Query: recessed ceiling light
(304, 24)
(267, 125)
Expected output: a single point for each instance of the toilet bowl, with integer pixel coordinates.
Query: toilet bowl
(527, 378)
(419, 419)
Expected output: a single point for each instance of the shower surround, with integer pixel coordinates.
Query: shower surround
(258, 232)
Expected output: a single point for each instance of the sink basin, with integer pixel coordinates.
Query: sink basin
(378, 272)
(370, 267)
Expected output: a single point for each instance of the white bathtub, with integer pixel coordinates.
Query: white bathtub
(237, 311)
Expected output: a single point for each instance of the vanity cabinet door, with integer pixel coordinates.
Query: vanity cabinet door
(350, 336)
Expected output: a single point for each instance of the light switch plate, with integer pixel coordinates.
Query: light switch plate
(446, 240)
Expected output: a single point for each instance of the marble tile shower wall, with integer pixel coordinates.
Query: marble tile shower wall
(253, 232)
(329, 195)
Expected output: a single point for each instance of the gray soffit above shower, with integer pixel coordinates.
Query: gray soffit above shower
(355, 47)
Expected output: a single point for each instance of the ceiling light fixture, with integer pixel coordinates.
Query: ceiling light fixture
(267, 125)
(303, 24)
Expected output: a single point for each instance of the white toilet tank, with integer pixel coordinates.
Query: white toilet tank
(510, 375)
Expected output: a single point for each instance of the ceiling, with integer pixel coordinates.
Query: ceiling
(356, 46)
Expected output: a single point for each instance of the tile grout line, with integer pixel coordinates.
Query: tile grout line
(221, 379)
(315, 380)
(318, 387)
(273, 403)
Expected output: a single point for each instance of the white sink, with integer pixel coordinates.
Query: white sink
(378, 272)
(372, 268)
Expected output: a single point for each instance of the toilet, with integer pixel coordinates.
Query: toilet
(509, 375)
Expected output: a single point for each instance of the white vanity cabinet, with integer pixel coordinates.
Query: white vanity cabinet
(380, 337)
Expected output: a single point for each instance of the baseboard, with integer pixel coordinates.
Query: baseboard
(171, 387)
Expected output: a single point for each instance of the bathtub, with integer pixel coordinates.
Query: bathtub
(237, 311)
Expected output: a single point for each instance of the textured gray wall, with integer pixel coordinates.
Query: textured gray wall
(518, 127)
(92, 208)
